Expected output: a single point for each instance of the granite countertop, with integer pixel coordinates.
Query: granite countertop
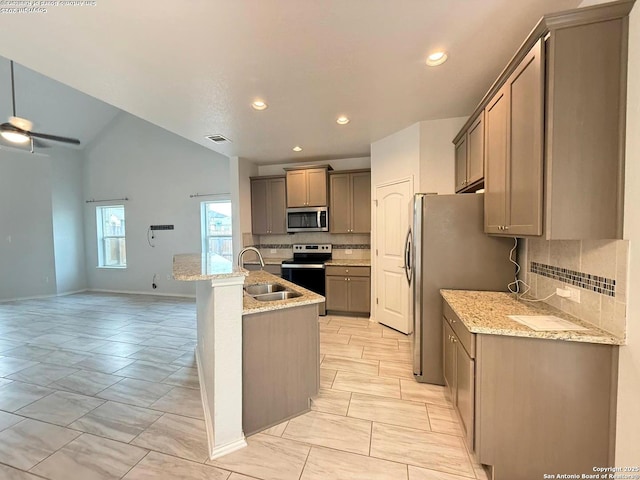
(337, 262)
(195, 266)
(487, 313)
(251, 305)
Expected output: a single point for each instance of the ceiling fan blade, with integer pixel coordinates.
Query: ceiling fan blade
(54, 138)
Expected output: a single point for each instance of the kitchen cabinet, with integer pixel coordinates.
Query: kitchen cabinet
(280, 365)
(350, 202)
(459, 374)
(348, 289)
(522, 401)
(513, 187)
(268, 207)
(469, 157)
(555, 130)
(307, 187)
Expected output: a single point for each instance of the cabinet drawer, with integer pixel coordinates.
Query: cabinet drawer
(467, 339)
(348, 271)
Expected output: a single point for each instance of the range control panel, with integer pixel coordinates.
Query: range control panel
(312, 248)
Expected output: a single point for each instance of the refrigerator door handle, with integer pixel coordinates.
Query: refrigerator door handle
(408, 247)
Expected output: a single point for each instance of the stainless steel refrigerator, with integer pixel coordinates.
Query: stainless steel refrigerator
(447, 248)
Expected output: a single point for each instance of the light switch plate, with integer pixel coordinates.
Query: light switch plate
(273, 250)
(575, 294)
(348, 252)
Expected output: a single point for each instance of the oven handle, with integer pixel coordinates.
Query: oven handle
(303, 265)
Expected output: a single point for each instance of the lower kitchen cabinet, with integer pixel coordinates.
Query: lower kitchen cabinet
(530, 406)
(459, 377)
(348, 289)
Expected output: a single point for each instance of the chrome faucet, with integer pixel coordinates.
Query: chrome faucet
(245, 250)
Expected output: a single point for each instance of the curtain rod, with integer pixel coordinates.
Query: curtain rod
(93, 200)
(195, 195)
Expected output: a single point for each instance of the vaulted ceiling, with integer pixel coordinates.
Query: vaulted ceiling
(194, 67)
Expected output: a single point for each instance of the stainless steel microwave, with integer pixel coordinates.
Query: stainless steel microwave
(307, 219)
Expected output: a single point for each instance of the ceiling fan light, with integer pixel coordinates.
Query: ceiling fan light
(15, 137)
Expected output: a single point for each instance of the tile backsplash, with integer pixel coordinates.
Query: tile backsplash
(358, 245)
(597, 267)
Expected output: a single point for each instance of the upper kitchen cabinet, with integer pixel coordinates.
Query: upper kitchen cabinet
(554, 129)
(307, 187)
(513, 187)
(350, 202)
(268, 205)
(470, 156)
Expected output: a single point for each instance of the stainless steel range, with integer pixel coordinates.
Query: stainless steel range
(307, 269)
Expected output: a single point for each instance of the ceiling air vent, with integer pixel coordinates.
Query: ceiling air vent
(218, 138)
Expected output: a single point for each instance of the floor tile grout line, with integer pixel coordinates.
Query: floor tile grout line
(21, 470)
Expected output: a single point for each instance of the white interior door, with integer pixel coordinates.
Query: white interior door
(392, 222)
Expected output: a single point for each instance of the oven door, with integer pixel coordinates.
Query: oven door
(307, 276)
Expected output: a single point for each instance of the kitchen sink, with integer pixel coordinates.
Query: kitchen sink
(264, 288)
(270, 297)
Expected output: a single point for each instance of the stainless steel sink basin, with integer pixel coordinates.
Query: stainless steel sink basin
(270, 297)
(264, 288)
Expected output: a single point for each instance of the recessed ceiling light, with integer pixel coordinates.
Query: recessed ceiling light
(342, 120)
(436, 58)
(297, 148)
(259, 105)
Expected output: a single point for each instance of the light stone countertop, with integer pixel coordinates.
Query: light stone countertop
(487, 313)
(348, 262)
(251, 305)
(191, 267)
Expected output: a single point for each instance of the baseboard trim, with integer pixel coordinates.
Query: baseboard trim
(36, 297)
(214, 451)
(128, 292)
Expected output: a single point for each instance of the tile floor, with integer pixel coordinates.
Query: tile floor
(103, 386)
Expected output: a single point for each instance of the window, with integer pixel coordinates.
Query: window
(112, 250)
(216, 231)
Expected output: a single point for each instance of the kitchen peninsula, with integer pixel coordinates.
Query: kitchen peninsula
(258, 357)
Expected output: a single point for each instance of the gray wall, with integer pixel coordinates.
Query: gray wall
(157, 170)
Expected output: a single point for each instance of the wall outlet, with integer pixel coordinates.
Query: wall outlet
(563, 292)
(8, 238)
(348, 251)
(273, 250)
(574, 294)
(168, 276)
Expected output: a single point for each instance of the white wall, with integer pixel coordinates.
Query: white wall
(340, 164)
(437, 154)
(240, 172)
(396, 157)
(68, 229)
(628, 424)
(157, 171)
(27, 267)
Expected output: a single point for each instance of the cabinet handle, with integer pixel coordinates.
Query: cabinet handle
(453, 339)
(506, 228)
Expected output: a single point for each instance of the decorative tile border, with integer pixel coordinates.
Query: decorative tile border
(346, 246)
(605, 286)
(339, 246)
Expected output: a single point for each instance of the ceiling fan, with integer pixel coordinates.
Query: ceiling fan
(19, 130)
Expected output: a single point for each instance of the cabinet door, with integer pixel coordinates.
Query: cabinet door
(475, 149)
(336, 293)
(297, 188)
(361, 202)
(465, 390)
(496, 147)
(461, 163)
(359, 294)
(524, 174)
(340, 204)
(316, 187)
(449, 359)
(277, 205)
(259, 208)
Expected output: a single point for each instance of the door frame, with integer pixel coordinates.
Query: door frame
(374, 238)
